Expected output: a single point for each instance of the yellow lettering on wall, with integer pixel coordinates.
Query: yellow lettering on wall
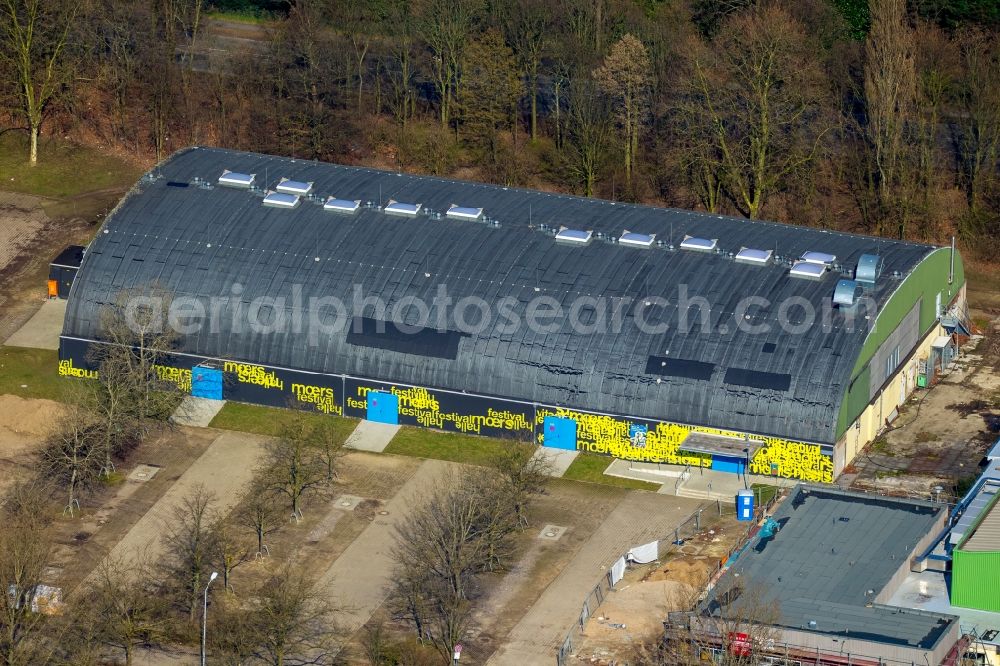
(66, 369)
(248, 373)
(663, 443)
(179, 377)
(322, 397)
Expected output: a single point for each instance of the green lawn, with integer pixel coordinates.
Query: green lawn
(63, 170)
(30, 373)
(274, 422)
(423, 443)
(590, 467)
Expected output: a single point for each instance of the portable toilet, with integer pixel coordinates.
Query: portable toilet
(744, 505)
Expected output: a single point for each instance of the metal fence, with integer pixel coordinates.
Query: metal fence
(690, 527)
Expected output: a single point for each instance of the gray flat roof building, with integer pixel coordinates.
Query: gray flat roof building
(837, 557)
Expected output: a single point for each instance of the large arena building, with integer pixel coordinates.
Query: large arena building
(644, 333)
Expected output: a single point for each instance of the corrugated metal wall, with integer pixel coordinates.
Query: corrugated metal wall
(975, 580)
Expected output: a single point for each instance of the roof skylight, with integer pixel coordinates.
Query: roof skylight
(400, 208)
(748, 255)
(281, 200)
(699, 244)
(819, 257)
(807, 269)
(574, 235)
(464, 213)
(235, 179)
(289, 186)
(341, 205)
(636, 240)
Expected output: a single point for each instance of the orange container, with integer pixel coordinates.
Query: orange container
(53, 289)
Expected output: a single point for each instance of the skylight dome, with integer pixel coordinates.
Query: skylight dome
(281, 200)
(699, 244)
(578, 236)
(400, 208)
(819, 257)
(289, 186)
(341, 205)
(235, 179)
(634, 239)
(807, 269)
(748, 255)
(464, 213)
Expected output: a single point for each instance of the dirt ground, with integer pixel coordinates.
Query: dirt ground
(23, 429)
(941, 434)
(635, 610)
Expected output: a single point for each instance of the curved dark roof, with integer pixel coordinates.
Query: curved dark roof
(201, 241)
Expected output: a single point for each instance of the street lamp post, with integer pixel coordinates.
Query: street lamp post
(204, 616)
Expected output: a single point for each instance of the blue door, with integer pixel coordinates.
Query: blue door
(206, 382)
(730, 464)
(559, 433)
(383, 407)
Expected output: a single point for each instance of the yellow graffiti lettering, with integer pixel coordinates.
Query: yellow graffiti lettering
(322, 397)
(248, 373)
(664, 443)
(179, 377)
(66, 369)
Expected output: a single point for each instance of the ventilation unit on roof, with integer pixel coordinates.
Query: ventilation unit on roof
(845, 293)
(234, 179)
(281, 200)
(818, 258)
(341, 205)
(748, 255)
(806, 269)
(699, 244)
(578, 236)
(289, 186)
(464, 213)
(634, 239)
(400, 208)
(869, 268)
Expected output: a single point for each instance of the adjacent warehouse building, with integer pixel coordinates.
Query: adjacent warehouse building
(578, 323)
(817, 586)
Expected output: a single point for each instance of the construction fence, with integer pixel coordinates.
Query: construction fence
(764, 500)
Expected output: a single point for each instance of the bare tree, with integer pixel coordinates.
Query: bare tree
(25, 548)
(294, 468)
(190, 544)
(73, 454)
(34, 37)
(228, 549)
(259, 511)
(293, 621)
(980, 129)
(445, 26)
(461, 531)
(325, 439)
(123, 606)
(890, 91)
(522, 475)
(588, 133)
(527, 25)
(755, 98)
(625, 76)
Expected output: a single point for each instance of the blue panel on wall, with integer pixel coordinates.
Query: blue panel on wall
(206, 382)
(728, 464)
(383, 407)
(559, 433)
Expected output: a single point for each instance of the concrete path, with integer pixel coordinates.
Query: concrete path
(225, 469)
(371, 436)
(559, 460)
(196, 412)
(357, 581)
(639, 518)
(43, 329)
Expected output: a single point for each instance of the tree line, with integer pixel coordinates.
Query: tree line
(267, 607)
(877, 116)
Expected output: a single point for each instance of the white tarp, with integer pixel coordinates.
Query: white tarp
(618, 570)
(644, 554)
